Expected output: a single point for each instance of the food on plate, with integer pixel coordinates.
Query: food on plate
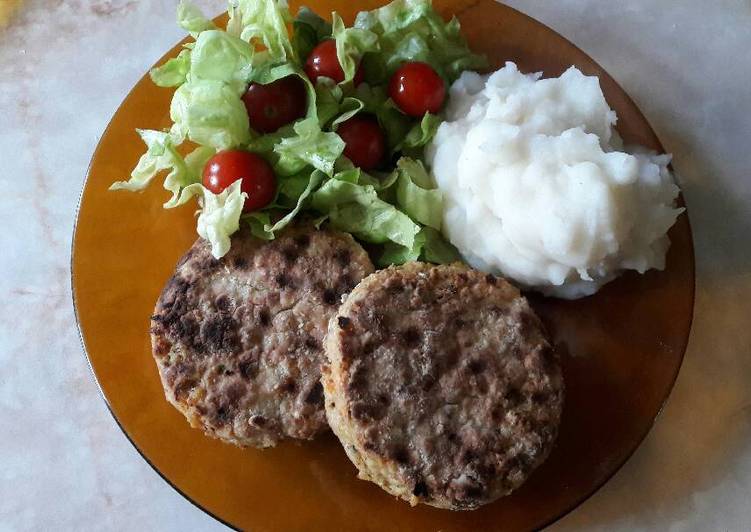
(256, 177)
(441, 384)
(323, 62)
(438, 380)
(239, 341)
(537, 188)
(364, 142)
(275, 104)
(417, 89)
(311, 99)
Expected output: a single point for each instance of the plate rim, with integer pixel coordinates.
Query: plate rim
(681, 200)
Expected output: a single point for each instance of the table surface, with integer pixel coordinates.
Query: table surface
(65, 67)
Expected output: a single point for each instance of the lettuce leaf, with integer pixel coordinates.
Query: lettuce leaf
(331, 103)
(346, 171)
(264, 144)
(258, 221)
(310, 146)
(395, 254)
(220, 214)
(357, 209)
(290, 188)
(436, 249)
(210, 113)
(348, 108)
(173, 72)
(422, 132)
(191, 19)
(315, 179)
(263, 22)
(308, 30)
(177, 182)
(410, 30)
(351, 45)
(329, 97)
(429, 245)
(219, 56)
(160, 155)
(417, 195)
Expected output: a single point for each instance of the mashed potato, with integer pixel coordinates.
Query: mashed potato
(536, 188)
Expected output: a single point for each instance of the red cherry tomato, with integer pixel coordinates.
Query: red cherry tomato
(323, 61)
(258, 179)
(417, 89)
(364, 140)
(276, 104)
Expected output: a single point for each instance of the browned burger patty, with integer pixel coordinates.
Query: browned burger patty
(238, 341)
(441, 384)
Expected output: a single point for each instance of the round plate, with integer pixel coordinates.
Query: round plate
(621, 349)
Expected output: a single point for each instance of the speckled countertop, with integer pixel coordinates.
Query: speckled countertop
(65, 65)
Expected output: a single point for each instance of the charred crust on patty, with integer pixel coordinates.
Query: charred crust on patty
(342, 256)
(220, 334)
(329, 296)
(302, 241)
(315, 395)
(239, 263)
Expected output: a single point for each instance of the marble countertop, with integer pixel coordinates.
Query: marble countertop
(66, 65)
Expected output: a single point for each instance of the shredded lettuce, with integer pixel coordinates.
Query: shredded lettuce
(357, 209)
(428, 245)
(417, 195)
(210, 113)
(422, 132)
(309, 30)
(348, 108)
(410, 30)
(351, 45)
(258, 221)
(191, 19)
(397, 207)
(291, 188)
(219, 216)
(262, 22)
(160, 155)
(314, 180)
(194, 163)
(310, 146)
(329, 97)
(219, 56)
(172, 73)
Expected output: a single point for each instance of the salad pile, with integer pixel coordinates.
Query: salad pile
(280, 115)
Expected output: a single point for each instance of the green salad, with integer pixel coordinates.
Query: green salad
(333, 144)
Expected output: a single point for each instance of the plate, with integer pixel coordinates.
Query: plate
(621, 349)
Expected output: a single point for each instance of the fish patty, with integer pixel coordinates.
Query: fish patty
(239, 341)
(441, 384)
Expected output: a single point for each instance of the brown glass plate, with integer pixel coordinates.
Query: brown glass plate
(621, 348)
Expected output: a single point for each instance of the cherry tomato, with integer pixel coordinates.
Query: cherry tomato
(364, 140)
(258, 179)
(323, 61)
(276, 104)
(417, 89)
